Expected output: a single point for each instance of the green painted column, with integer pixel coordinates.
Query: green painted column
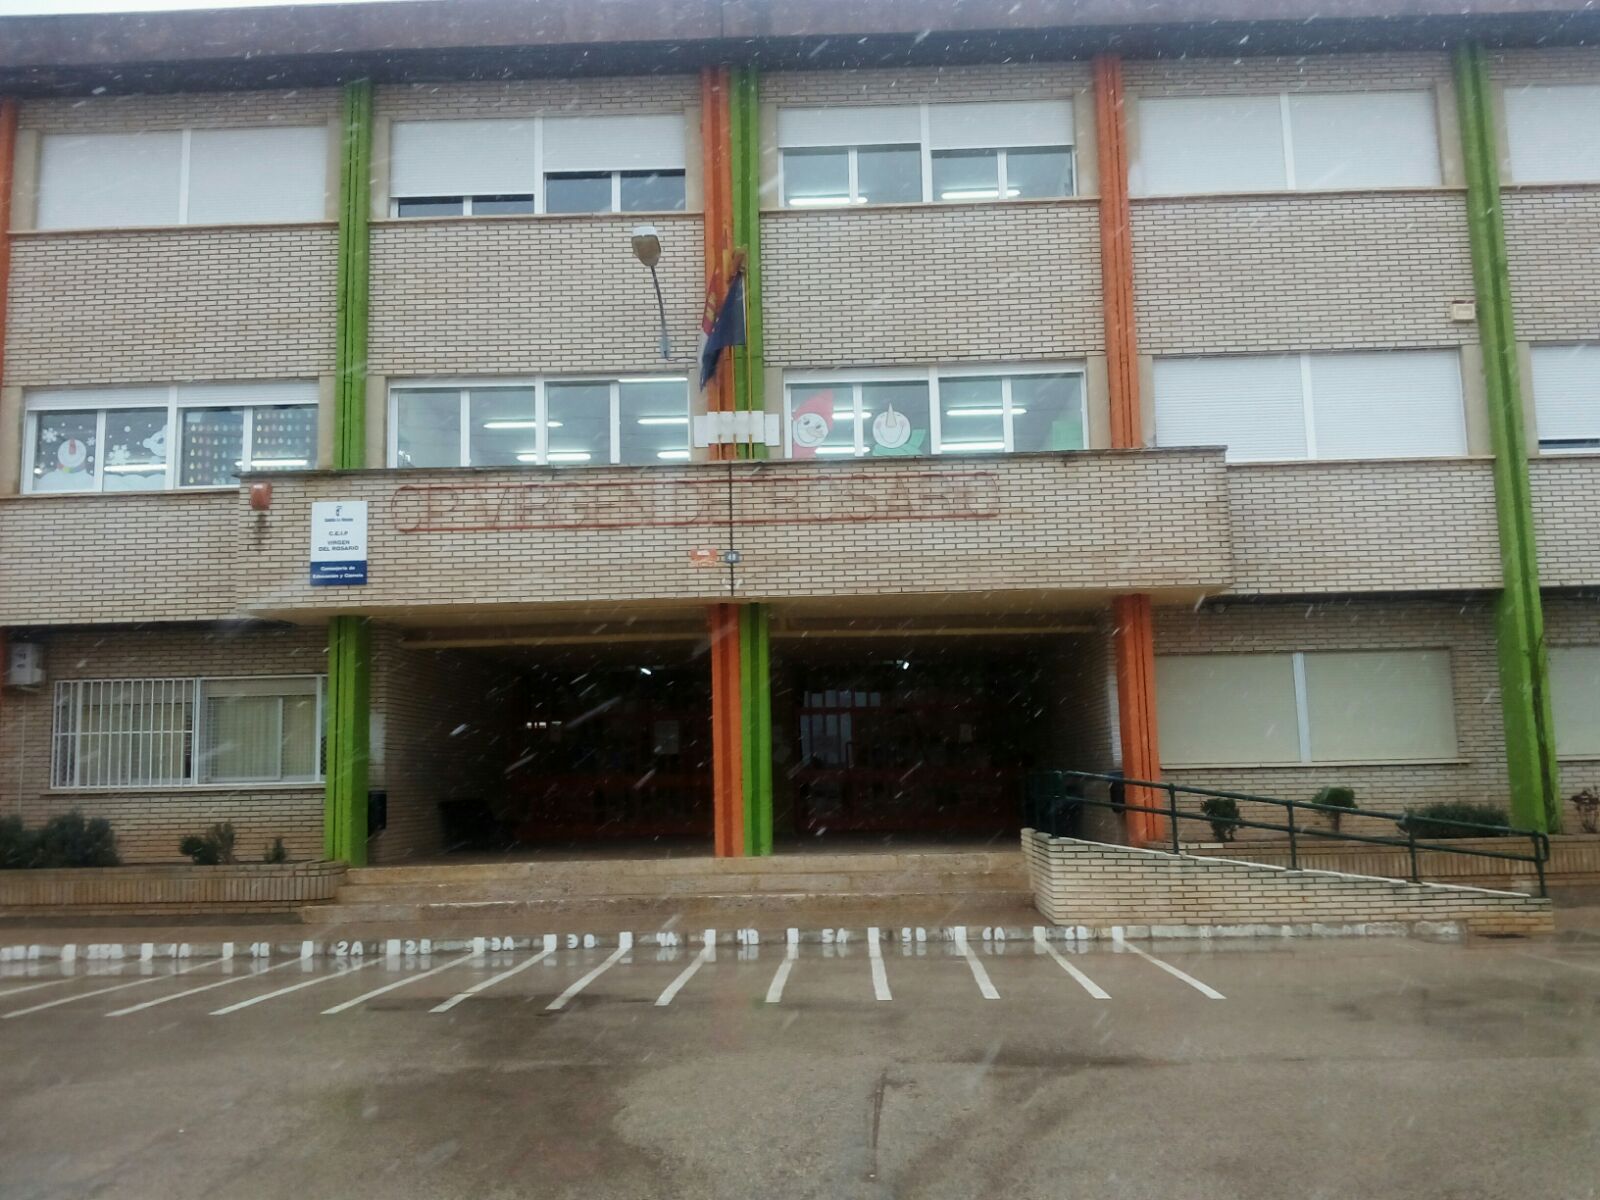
(1519, 615)
(749, 394)
(350, 638)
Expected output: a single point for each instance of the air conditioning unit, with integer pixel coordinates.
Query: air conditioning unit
(24, 664)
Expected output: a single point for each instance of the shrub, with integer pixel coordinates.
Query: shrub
(212, 848)
(73, 840)
(1587, 802)
(1224, 814)
(1443, 820)
(276, 853)
(1335, 797)
(17, 844)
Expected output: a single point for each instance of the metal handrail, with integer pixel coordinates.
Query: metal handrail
(1538, 858)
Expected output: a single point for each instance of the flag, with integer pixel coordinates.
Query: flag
(726, 330)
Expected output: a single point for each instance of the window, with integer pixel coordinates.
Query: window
(154, 438)
(1553, 133)
(940, 410)
(1302, 141)
(503, 167)
(1380, 404)
(558, 422)
(111, 733)
(1566, 396)
(183, 177)
(1575, 699)
(911, 154)
(1305, 707)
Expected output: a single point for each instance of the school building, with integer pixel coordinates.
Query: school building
(1209, 392)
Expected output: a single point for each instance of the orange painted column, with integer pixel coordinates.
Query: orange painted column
(727, 709)
(1133, 629)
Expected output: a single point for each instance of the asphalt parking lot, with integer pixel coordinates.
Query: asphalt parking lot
(867, 1067)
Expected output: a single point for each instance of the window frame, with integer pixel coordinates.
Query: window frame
(77, 689)
(174, 407)
(538, 384)
(925, 150)
(931, 376)
(1562, 447)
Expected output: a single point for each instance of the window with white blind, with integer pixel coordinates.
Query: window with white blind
(636, 421)
(183, 177)
(1303, 141)
(893, 412)
(127, 733)
(1265, 407)
(1566, 396)
(921, 153)
(1575, 699)
(1323, 706)
(505, 166)
(188, 435)
(1553, 133)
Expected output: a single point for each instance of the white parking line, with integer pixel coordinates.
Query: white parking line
(389, 987)
(959, 932)
(1089, 985)
(781, 977)
(34, 987)
(1205, 990)
(624, 944)
(1560, 962)
(707, 952)
(116, 987)
(880, 977)
(485, 984)
(295, 987)
(204, 987)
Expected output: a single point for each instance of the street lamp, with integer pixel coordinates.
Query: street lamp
(647, 249)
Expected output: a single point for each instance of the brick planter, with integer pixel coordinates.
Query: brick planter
(244, 887)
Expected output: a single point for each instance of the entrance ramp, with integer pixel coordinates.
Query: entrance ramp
(783, 883)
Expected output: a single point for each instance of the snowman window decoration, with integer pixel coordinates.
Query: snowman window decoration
(64, 457)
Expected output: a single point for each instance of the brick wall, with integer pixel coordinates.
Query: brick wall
(514, 295)
(154, 556)
(919, 85)
(1387, 526)
(924, 283)
(1555, 261)
(1566, 514)
(1093, 884)
(614, 95)
(1465, 627)
(177, 110)
(150, 822)
(510, 540)
(1183, 75)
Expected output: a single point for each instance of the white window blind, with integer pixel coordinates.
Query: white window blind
(1000, 124)
(1379, 706)
(1553, 133)
(1364, 139)
(854, 125)
(1575, 699)
(1209, 144)
(463, 158)
(1387, 404)
(275, 174)
(1566, 395)
(1253, 405)
(1227, 708)
(98, 181)
(640, 143)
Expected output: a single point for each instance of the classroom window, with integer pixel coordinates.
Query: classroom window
(555, 422)
(1379, 404)
(1575, 699)
(1553, 133)
(183, 177)
(1306, 707)
(909, 154)
(110, 733)
(1292, 141)
(161, 437)
(507, 167)
(1566, 396)
(891, 413)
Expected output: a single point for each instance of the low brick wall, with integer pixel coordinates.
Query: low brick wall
(245, 887)
(1574, 859)
(1095, 884)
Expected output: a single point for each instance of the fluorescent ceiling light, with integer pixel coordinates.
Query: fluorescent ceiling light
(836, 449)
(818, 201)
(556, 456)
(663, 420)
(134, 468)
(511, 424)
(995, 411)
(673, 455)
(978, 194)
(966, 447)
(279, 462)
